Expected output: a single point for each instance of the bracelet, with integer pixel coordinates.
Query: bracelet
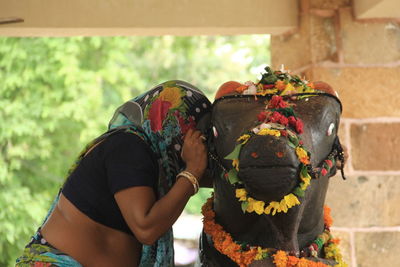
(192, 179)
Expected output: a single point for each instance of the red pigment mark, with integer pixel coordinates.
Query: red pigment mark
(254, 155)
(279, 154)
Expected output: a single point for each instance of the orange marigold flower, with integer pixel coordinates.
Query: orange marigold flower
(280, 258)
(292, 261)
(303, 262)
(335, 241)
(327, 216)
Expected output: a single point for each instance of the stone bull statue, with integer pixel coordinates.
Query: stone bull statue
(273, 146)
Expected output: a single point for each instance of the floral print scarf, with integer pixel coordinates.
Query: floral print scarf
(161, 117)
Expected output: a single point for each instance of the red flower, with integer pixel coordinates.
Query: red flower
(324, 172)
(329, 162)
(283, 133)
(315, 246)
(292, 121)
(262, 116)
(275, 117)
(157, 113)
(284, 121)
(299, 126)
(296, 124)
(277, 102)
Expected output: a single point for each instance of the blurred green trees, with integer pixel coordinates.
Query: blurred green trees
(56, 94)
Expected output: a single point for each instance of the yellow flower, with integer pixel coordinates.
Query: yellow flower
(305, 183)
(274, 206)
(250, 207)
(291, 200)
(235, 164)
(307, 176)
(244, 138)
(241, 194)
(173, 95)
(259, 206)
(260, 253)
(286, 203)
(283, 206)
(288, 89)
(301, 153)
(267, 131)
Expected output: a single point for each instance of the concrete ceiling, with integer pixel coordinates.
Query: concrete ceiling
(147, 17)
(160, 17)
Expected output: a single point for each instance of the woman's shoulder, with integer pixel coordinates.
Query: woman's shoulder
(127, 143)
(125, 138)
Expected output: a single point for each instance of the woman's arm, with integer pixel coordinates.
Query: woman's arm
(149, 218)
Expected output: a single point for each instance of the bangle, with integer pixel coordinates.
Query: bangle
(192, 179)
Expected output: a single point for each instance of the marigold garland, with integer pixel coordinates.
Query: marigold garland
(224, 243)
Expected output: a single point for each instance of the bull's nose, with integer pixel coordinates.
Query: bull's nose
(268, 167)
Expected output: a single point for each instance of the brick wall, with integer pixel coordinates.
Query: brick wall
(361, 60)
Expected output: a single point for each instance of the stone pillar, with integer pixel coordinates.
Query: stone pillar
(361, 60)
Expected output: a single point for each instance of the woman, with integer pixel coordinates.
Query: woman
(126, 190)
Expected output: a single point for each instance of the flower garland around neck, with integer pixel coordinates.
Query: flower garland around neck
(279, 120)
(244, 254)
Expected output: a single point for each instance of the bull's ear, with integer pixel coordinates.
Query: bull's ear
(204, 124)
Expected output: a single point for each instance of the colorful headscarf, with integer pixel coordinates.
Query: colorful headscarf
(161, 117)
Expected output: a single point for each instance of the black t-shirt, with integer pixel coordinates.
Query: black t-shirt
(121, 161)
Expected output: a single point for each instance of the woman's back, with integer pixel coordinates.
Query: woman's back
(89, 242)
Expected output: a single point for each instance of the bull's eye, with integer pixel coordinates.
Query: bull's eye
(215, 131)
(330, 129)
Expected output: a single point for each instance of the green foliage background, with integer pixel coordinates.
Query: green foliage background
(56, 94)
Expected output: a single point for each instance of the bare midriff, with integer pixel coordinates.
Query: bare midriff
(88, 242)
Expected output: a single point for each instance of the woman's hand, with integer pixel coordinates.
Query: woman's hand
(194, 153)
